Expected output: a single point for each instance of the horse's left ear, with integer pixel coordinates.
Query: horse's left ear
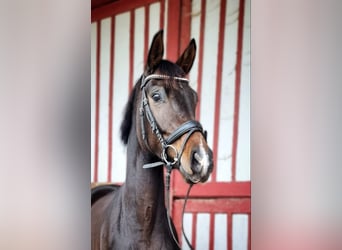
(186, 60)
(155, 54)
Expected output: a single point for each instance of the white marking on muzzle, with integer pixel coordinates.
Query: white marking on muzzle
(204, 160)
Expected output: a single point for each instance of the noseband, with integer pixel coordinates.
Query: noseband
(189, 127)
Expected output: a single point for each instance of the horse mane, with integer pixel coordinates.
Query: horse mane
(126, 123)
(165, 67)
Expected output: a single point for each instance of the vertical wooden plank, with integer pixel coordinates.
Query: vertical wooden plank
(131, 50)
(185, 25)
(120, 91)
(200, 58)
(210, 53)
(243, 148)
(249, 231)
(177, 218)
(193, 234)
(237, 87)
(162, 14)
(110, 104)
(211, 231)
(154, 21)
(104, 98)
(139, 43)
(202, 233)
(146, 31)
(240, 232)
(173, 23)
(93, 94)
(225, 143)
(165, 23)
(229, 231)
(220, 238)
(195, 17)
(222, 22)
(97, 100)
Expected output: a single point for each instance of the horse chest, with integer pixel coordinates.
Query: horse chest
(148, 235)
(136, 242)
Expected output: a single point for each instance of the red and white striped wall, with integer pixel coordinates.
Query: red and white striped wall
(221, 77)
(218, 213)
(119, 46)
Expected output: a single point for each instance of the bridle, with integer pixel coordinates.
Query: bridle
(189, 127)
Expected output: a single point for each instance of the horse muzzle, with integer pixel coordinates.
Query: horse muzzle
(198, 166)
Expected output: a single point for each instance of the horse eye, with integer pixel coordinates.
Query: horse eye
(156, 97)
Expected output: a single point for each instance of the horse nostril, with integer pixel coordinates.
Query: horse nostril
(197, 162)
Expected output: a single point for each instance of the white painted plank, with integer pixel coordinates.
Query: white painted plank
(195, 33)
(139, 59)
(104, 97)
(93, 95)
(243, 161)
(207, 105)
(202, 231)
(220, 233)
(120, 93)
(224, 163)
(187, 230)
(154, 25)
(240, 231)
(166, 5)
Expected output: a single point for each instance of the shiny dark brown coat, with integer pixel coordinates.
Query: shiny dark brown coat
(134, 215)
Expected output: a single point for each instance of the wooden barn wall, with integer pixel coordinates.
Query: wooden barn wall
(220, 75)
(115, 67)
(117, 61)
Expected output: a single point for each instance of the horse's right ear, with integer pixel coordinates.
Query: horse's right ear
(186, 60)
(155, 54)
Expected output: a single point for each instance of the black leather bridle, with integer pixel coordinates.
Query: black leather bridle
(189, 127)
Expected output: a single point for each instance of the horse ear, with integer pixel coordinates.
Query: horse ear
(155, 54)
(186, 60)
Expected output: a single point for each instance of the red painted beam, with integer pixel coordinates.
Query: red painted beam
(232, 205)
(99, 3)
(118, 7)
(214, 190)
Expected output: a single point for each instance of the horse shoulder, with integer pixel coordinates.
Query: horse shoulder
(102, 220)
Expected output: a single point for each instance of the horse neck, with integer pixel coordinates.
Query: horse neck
(144, 188)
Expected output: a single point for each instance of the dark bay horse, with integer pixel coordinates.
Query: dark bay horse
(159, 129)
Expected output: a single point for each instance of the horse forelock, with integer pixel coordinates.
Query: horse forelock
(166, 67)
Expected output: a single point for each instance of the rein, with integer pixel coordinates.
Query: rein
(188, 128)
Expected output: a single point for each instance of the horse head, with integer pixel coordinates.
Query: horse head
(167, 114)
(162, 106)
